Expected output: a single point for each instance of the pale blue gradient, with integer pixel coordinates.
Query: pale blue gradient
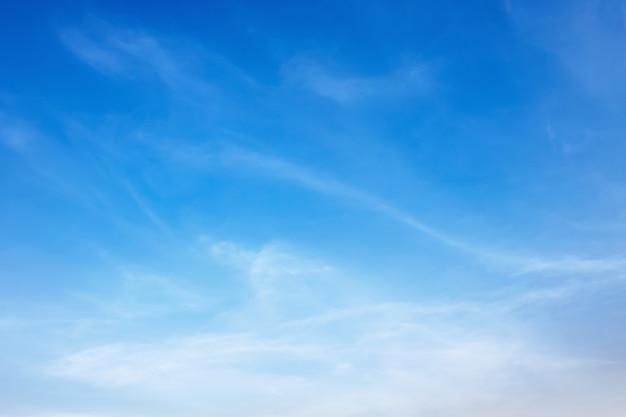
(302, 209)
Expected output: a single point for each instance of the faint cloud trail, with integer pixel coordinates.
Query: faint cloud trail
(308, 74)
(289, 171)
(522, 264)
(115, 51)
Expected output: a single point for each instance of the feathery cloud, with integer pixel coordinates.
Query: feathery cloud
(115, 51)
(310, 75)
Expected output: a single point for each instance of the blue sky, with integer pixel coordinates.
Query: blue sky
(298, 209)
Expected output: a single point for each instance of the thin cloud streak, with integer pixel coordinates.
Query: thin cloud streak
(115, 51)
(522, 264)
(288, 171)
(310, 75)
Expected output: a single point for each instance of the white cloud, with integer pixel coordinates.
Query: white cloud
(425, 368)
(117, 51)
(309, 74)
(351, 358)
(144, 294)
(232, 255)
(279, 277)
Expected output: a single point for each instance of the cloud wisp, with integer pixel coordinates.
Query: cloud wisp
(15, 134)
(310, 75)
(127, 52)
(349, 359)
(520, 264)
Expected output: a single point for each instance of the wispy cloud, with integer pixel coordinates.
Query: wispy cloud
(278, 273)
(117, 51)
(271, 259)
(65, 414)
(145, 207)
(311, 75)
(286, 170)
(142, 294)
(520, 264)
(368, 363)
(281, 279)
(347, 357)
(591, 43)
(587, 40)
(239, 329)
(574, 265)
(15, 133)
(84, 172)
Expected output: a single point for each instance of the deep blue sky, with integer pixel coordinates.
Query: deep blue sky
(312, 208)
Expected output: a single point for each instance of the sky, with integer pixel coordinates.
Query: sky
(294, 209)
